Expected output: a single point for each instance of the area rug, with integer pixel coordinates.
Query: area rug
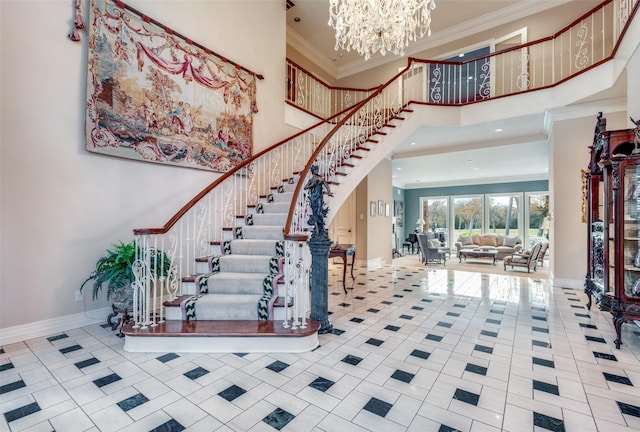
(474, 265)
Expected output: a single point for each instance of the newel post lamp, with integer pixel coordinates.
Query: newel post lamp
(420, 225)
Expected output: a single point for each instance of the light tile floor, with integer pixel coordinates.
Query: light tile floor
(413, 349)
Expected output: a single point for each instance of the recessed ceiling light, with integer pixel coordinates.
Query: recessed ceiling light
(412, 143)
(297, 19)
(399, 169)
(499, 130)
(393, 176)
(461, 55)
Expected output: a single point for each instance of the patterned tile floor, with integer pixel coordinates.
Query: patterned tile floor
(413, 349)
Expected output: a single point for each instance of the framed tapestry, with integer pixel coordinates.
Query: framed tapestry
(153, 95)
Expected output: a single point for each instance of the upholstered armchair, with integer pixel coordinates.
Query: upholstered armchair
(543, 252)
(430, 250)
(527, 259)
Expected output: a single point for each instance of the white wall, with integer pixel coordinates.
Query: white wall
(62, 206)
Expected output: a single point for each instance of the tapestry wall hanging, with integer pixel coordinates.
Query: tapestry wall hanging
(154, 95)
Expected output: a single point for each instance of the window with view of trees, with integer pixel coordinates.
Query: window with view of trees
(467, 212)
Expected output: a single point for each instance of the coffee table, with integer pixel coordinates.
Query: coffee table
(478, 253)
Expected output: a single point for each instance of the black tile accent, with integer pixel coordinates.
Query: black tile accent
(541, 343)
(581, 315)
(352, 360)
(628, 409)
(407, 290)
(577, 306)
(132, 402)
(170, 426)
(70, 349)
(489, 333)
(493, 321)
(402, 376)
(453, 314)
(337, 331)
(196, 373)
(232, 392)
(386, 302)
(500, 302)
(605, 356)
(356, 320)
(277, 366)
(58, 337)
(398, 295)
(407, 317)
(480, 370)
(23, 411)
(344, 304)
(538, 308)
(1, 350)
(484, 349)
(377, 406)
(444, 324)
(420, 354)
(617, 378)
(86, 363)
(418, 308)
(497, 311)
(167, 357)
(101, 382)
(543, 362)
(359, 298)
(278, 418)
(6, 366)
(458, 305)
(372, 292)
(12, 386)
(539, 318)
(321, 384)
(540, 329)
(433, 337)
(426, 300)
(548, 423)
(373, 310)
(392, 328)
(467, 397)
(374, 341)
(573, 299)
(445, 428)
(546, 387)
(589, 326)
(595, 339)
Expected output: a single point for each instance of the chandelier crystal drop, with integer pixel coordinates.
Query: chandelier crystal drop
(369, 26)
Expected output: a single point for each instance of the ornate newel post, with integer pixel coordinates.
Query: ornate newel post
(319, 245)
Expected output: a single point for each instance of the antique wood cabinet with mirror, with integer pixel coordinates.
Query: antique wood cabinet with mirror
(613, 215)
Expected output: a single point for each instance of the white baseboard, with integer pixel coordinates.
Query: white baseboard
(54, 325)
(374, 264)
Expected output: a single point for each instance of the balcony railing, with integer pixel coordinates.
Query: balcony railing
(585, 43)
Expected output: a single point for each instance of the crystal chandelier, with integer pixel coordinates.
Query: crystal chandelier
(368, 26)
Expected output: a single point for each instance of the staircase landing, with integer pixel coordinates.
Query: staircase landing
(221, 337)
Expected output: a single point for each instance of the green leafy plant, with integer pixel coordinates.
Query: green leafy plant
(115, 268)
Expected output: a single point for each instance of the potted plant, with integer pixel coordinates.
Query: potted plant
(115, 269)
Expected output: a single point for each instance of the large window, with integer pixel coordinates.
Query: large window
(504, 212)
(517, 214)
(467, 215)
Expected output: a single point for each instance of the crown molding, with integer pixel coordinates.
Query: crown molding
(297, 42)
(589, 109)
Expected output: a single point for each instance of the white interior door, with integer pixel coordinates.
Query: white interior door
(342, 228)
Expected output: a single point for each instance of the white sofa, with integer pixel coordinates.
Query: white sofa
(505, 245)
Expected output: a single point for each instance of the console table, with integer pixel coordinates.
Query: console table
(478, 253)
(343, 251)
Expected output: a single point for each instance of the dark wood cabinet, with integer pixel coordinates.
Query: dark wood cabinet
(612, 189)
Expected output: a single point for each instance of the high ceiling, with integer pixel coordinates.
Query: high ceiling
(481, 152)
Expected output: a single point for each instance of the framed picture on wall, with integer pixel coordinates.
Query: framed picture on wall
(373, 208)
(381, 208)
(399, 213)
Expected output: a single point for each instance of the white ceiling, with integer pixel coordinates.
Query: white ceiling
(444, 156)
